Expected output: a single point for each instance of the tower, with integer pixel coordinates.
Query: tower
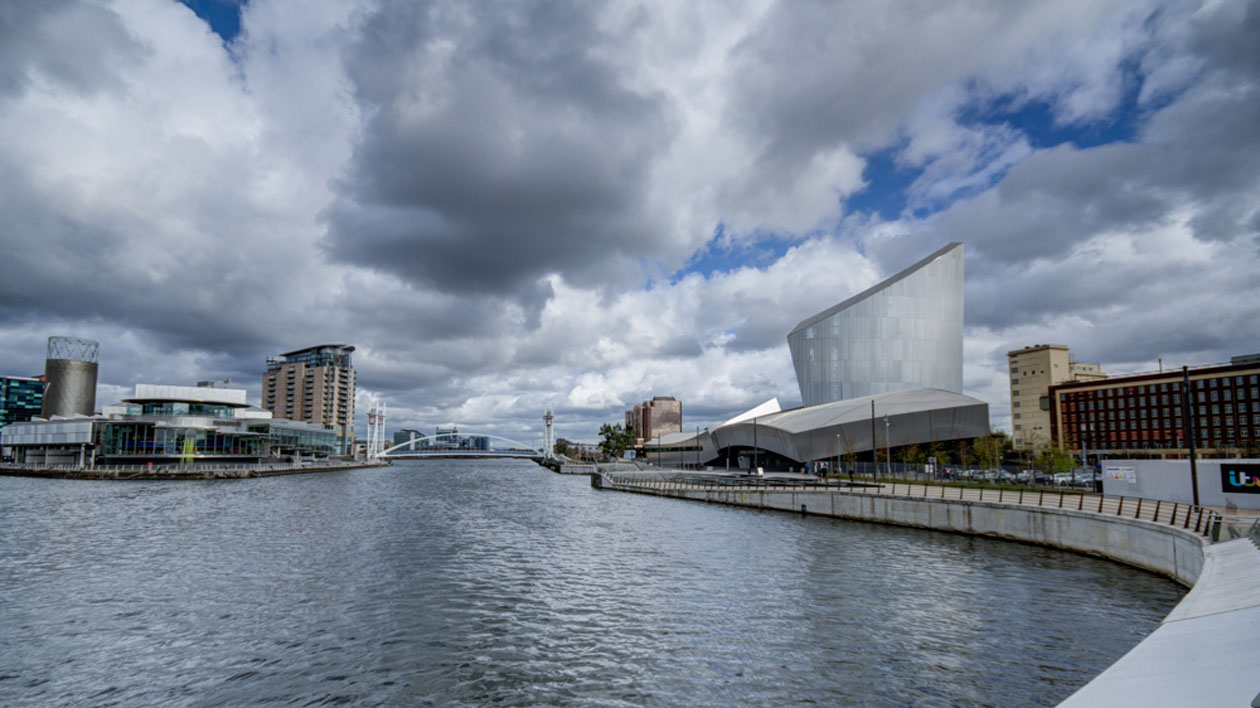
(70, 377)
(549, 435)
(903, 333)
(314, 385)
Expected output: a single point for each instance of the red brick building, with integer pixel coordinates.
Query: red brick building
(1141, 415)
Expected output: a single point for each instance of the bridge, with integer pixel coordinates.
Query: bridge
(444, 449)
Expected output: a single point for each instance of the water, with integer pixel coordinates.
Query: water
(499, 583)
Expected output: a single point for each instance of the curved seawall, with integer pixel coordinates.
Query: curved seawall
(1202, 654)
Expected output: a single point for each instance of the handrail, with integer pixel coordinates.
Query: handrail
(1188, 516)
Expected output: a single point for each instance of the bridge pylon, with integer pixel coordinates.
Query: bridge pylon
(549, 435)
(376, 429)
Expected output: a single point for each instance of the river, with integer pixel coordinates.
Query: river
(490, 582)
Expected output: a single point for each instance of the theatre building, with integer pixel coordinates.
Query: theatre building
(1141, 415)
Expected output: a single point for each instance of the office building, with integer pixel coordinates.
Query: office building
(314, 385)
(660, 416)
(904, 333)
(1141, 414)
(168, 425)
(21, 398)
(1033, 370)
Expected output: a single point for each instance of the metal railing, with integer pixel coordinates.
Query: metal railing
(1186, 516)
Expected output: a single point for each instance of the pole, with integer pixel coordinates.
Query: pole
(754, 469)
(697, 447)
(874, 447)
(1187, 414)
(887, 446)
(837, 467)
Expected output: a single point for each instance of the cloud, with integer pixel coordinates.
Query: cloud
(511, 206)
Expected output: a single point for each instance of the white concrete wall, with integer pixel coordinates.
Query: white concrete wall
(1170, 480)
(1167, 550)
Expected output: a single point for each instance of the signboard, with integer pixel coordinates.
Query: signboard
(1240, 478)
(1121, 474)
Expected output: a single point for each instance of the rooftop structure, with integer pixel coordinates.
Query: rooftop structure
(904, 333)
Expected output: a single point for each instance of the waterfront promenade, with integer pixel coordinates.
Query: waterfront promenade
(1203, 653)
(185, 472)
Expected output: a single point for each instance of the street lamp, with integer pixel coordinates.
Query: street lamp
(887, 446)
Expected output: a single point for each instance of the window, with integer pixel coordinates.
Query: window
(1014, 382)
(1014, 392)
(1227, 394)
(1229, 408)
(1018, 428)
(1216, 408)
(1142, 401)
(1016, 416)
(1215, 395)
(1015, 404)
(1214, 382)
(1202, 397)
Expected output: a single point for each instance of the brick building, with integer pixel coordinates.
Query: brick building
(1142, 415)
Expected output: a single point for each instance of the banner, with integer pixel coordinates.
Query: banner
(1121, 474)
(1240, 478)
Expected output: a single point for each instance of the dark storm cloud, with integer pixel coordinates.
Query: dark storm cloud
(500, 146)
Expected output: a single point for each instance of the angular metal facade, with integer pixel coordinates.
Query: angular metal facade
(904, 333)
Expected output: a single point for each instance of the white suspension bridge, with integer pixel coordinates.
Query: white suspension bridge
(445, 445)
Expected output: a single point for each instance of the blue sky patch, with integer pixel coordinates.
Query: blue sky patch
(223, 16)
(721, 255)
(886, 185)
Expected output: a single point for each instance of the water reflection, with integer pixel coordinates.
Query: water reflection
(469, 583)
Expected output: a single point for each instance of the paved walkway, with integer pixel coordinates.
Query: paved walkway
(1206, 652)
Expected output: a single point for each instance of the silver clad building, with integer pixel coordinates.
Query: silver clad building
(70, 377)
(904, 333)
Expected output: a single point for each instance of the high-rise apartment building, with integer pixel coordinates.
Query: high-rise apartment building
(1033, 370)
(314, 385)
(660, 416)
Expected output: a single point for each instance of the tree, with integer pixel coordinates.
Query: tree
(914, 454)
(1050, 459)
(561, 447)
(614, 440)
(990, 450)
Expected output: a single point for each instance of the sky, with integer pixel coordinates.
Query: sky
(581, 205)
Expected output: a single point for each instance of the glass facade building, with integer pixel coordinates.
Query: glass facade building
(21, 398)
(902, 334)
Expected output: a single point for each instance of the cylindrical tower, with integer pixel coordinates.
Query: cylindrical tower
(70, 377)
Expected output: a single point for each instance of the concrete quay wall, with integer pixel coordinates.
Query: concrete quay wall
(191, 472)
(1164, 549)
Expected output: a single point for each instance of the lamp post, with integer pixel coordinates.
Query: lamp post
(887, 446)
(1187, 413)
(874, 447)
(754, 469)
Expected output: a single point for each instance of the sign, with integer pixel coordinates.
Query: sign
(1240, 478)
(1121, 474)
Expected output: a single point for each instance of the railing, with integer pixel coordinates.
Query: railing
(1186, 516)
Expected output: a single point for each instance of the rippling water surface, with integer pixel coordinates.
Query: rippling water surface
(499, 583)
